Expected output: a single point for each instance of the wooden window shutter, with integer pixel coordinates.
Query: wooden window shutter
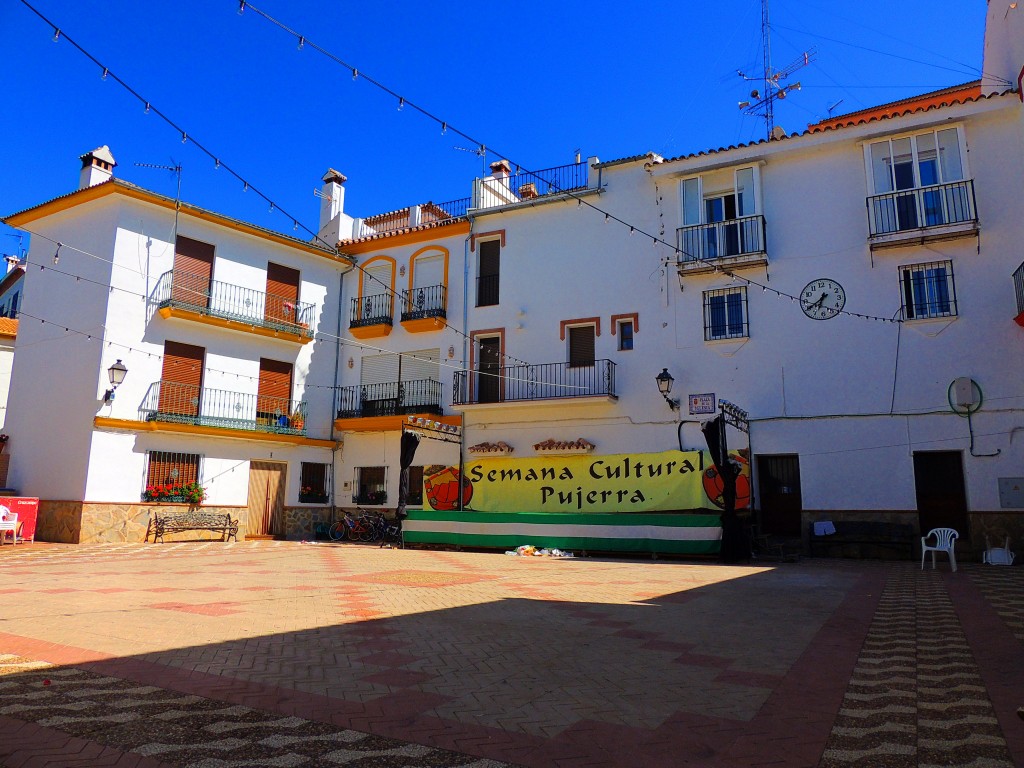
(282, 293)
(181, 383)
(193, 272)
(166, 468)
(275, 389)
(581, 346)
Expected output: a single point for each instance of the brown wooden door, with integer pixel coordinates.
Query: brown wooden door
(778, 485)
(273, 401)
(193, 272)
(489, 367)
(282, 294)
(941, 498)
(181, 383)
(266, 498)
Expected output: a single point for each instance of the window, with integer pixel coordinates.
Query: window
(725, 314)
(918, 181)
(173, 477)
(720, 215)
(487, 281)
(625, 330)
(371, 485)
(315, 483)
(415, 487)
(273, 400)
(581, 346)
(374, 305)
(928, 290)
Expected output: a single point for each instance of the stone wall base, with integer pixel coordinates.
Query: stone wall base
(78, 522)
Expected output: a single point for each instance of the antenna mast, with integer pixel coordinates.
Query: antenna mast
(762, 101)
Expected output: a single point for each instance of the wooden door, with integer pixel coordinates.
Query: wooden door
(193, 273)
(941, 497)
(489, 367)
(282, 294)
(778, 485)
(266, 498)
(181, 383)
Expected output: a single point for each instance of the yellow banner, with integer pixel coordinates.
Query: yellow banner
(630, 482)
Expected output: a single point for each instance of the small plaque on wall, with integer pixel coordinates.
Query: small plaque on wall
(1011, 492)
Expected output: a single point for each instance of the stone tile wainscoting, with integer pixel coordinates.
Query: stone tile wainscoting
(77, 522)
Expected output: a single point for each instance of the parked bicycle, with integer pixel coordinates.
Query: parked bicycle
(366, 527)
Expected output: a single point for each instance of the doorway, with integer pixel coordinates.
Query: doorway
(778, 485)
(266, 499)
(941, 495)
(489, 370)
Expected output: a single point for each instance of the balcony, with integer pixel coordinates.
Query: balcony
(411, 217)
(557, 383)
(1018, 288)
(925, 214)
(731, 244)
(172, 403)
(193, 297)
(376, 407)
(531, 187)
(424, 309)
(371, 316)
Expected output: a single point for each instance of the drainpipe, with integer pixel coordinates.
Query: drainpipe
(334, 392)
(465, 347)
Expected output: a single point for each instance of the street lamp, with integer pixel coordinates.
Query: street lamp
(116, 374)
(665, 382)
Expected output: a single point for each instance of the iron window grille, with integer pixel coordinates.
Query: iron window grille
(371, 486)
(928, 290)
(315, 483)
(172, 476)
(725, 314)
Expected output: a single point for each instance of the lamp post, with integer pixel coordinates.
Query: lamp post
(116, 374)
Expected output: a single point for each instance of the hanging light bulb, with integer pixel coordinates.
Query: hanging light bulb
(302, 42)
(355, 73)
(271, 208)
(216, 163)
(56, 34)
(184, 137)
(146, 111)
(105, 73)
(56, 254)
(245, 186)
(444, 128)
(241, 7)
(401, 103)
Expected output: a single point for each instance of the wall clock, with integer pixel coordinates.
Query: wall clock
(823, 298)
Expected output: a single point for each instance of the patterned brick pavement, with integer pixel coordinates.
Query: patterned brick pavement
(284, 654)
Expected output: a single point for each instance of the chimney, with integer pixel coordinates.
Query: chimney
(97, 167)
(500, 169)
(332, 204)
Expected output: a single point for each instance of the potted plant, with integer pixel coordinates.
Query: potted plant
(175, 493)
(298, 420)
(309, 495)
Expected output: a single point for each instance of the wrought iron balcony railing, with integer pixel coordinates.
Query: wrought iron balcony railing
(390, 399)
(528, 185)
(548, 381)
(196, 293)
(744, 236)
(371, 310)
(169, 401)
(933, 206)
(420, 303)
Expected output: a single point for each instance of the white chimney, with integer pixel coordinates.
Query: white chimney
(97, 167)
(1003, 59)
(335, 225)
(501, 170)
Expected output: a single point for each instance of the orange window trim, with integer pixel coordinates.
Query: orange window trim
(427, 251)
(634, 316)
(366, 265)
(594, 321)
(495, 233)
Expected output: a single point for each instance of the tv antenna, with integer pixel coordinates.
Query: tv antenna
(176, 170)
(480, 152)
(762, 100)
(833, 108)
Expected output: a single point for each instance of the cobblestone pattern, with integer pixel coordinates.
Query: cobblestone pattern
(1004, 589)
(193, 731)
(916, 698)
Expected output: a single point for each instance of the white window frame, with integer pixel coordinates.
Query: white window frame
(912, 135)
(702, 195)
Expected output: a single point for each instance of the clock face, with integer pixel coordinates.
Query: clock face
(822, 299)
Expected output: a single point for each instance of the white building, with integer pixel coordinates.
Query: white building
(214, 321)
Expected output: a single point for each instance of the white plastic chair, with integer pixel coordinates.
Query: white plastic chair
(8, 522)
(945, 540)
(998, 555)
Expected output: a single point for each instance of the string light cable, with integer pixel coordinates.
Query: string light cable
(570, 194)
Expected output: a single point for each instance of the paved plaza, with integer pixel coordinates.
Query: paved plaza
(288, 654)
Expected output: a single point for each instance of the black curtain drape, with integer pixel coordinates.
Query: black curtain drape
(735, 539)
(410, 442)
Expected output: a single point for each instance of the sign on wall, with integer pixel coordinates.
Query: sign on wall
(633, 482)
(703, 403)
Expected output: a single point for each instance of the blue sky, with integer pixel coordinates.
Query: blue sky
(535, 81)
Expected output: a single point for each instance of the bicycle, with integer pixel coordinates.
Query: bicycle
(360, 528)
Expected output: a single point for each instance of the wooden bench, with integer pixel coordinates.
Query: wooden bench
(868, 533)
(193, 520)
